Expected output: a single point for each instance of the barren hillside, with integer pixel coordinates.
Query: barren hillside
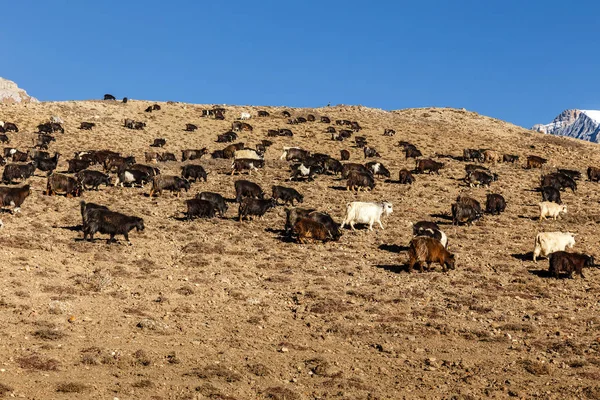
(220, 309)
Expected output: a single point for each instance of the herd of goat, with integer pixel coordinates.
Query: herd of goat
(429, 244)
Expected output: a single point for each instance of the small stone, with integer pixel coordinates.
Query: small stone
(284, 349)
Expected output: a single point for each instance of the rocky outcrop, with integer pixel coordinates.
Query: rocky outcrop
(578, 124)
(10, 93)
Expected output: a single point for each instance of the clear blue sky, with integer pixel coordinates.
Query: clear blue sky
(521, 61)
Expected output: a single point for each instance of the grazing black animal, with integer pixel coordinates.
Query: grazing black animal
(288, 195)
(87, 126)
(250, 207)
(412, 152)
(227, 137)
(350, 167)
(474, 167)
(333, 166)
(217, 201)
(86, 208)
(43, 141)
(344, 155)
(4, 139)
(470, 202)
(117, 163)
(244, 188)
(168, 182)
(465, 213)
(561, 261)
(77, 165)
(217, 154)
(295, 154)
(325, 219)
(10, 127)
(199, 208)
(50, 127)
(111, 223)
(193, 172)
(90, 179)
(48, 164)
(593, 173)
(495, 204)
(510, 158)
(293, 215)
(575, 175)
(109, 97)
(559, 181)
(550, 193)
(190, 127)
(405, 177)
(125, 99)
(473, 155)
(18, 171)
(358, 181)
(159, 142)
(359, 141)
(378, 168)
(166, 156)
(479, 178)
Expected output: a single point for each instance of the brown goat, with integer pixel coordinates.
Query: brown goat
(306, 229)
(535, 162)
(425, 250)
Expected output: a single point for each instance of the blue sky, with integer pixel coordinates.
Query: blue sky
(521, 61)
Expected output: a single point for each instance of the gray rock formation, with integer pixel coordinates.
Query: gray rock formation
(10, 93)
(579, 124)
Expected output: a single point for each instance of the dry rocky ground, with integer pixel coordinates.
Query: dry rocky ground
(219, 309)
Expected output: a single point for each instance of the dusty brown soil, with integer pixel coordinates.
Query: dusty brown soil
(226, 310)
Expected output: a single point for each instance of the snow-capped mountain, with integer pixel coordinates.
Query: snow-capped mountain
(579, 124)
(11, 93)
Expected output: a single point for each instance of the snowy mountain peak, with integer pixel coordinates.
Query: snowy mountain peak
(578, 124)
(593, 114)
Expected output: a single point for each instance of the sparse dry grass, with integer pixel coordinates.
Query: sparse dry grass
(228, 310)
(71, 387)
(36, 362)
